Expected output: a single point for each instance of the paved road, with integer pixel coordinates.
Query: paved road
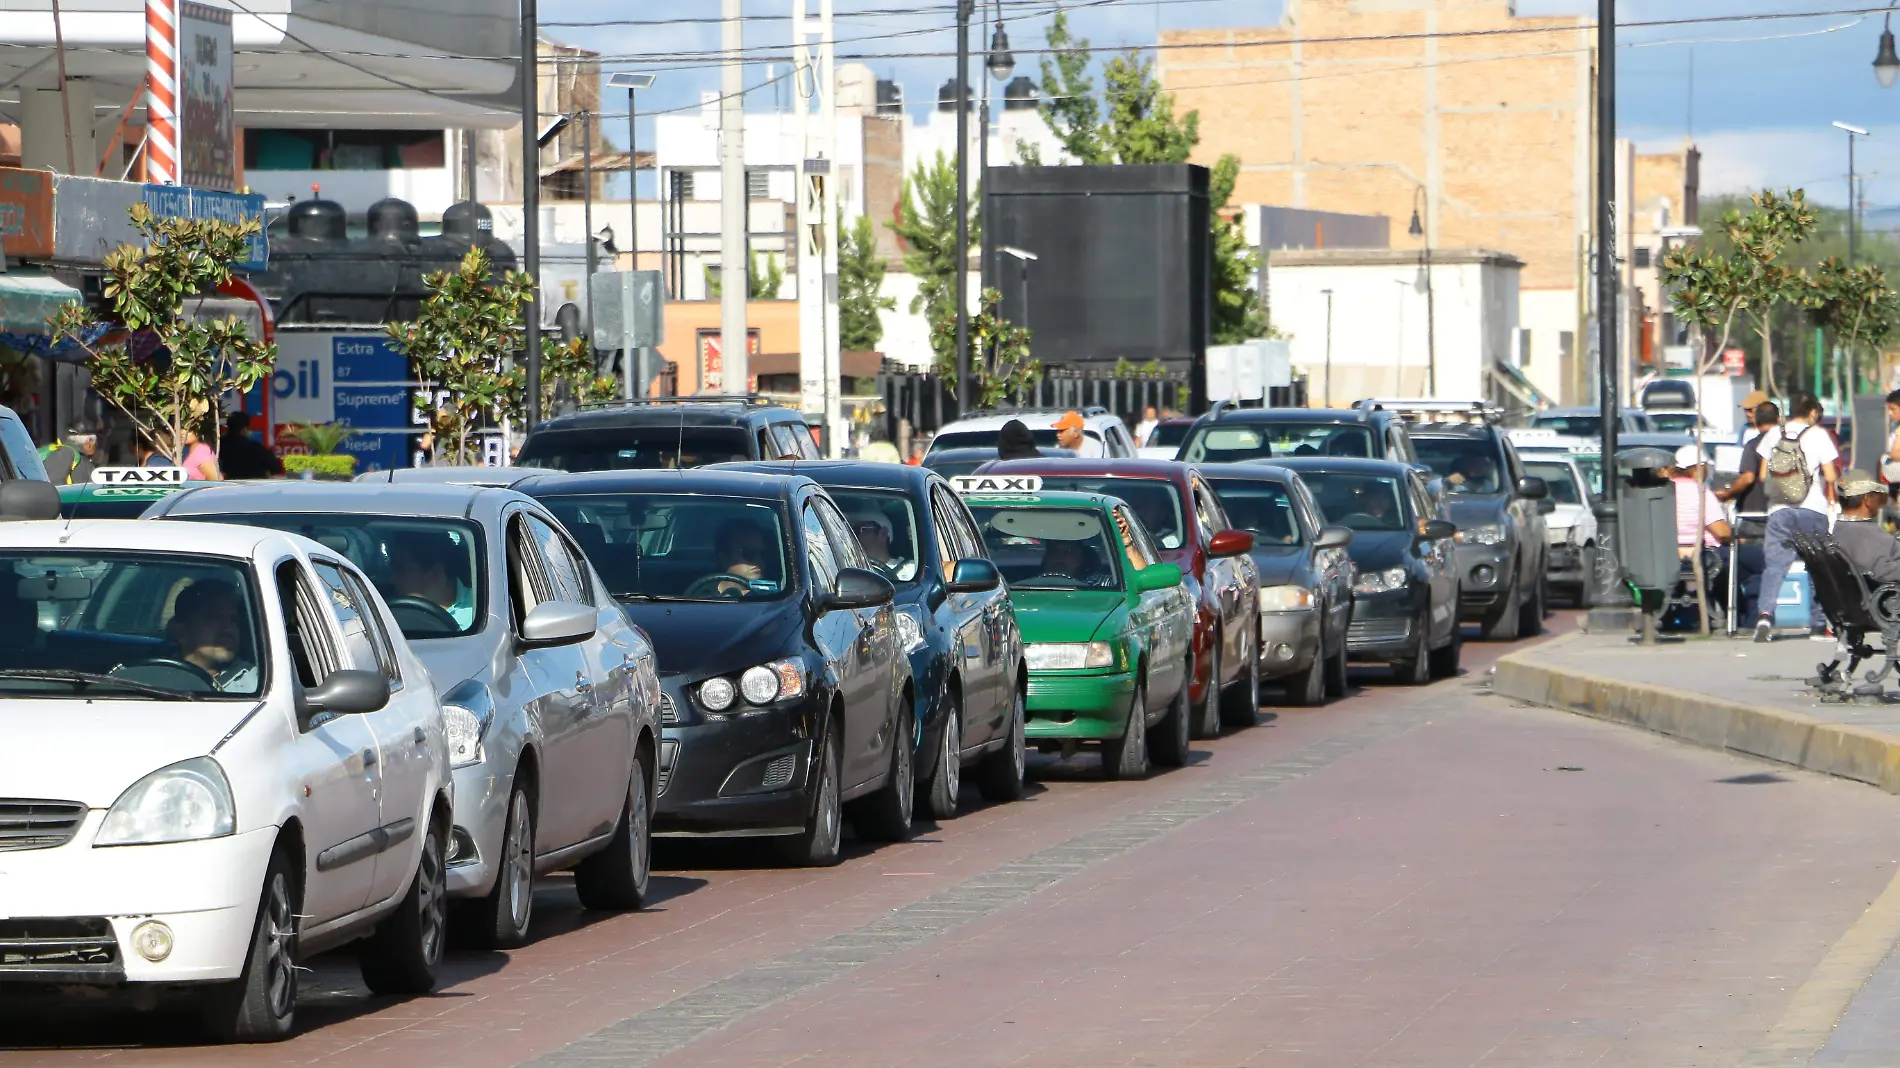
(1409, 877)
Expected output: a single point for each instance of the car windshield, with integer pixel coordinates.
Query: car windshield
(1318, 439)
(427, 568)
(636, 448)
(965, 461)
(680, 546)
(1049, 548)
(155, 626)
(1216, 444)
(1156, 501)
(1361, 502)
(1558, 476)
(1264, 509)
(886, 525)
(1673, 422)
(986, 439)
(1576, 426)
(1468, 465)
(1169, 434)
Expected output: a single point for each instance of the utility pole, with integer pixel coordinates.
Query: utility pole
(818, 344)
(733, 202)
(1606, 583)
(828, 218)
(531, 201)
(961, 289)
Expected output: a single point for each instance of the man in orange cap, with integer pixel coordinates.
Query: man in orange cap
(1069, 435)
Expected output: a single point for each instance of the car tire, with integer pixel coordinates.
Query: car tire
(402, 956)
(1530, 621)
(1240, 707)
(1444, 662)
(502, 918)
(1127, 757)
(1505, 627)
(1308, 688)
(1337, 682)
(821, 842)
(1206, 718)
(616, 878)
(260, 1005)
(886, 815)
(1416, 670)
(939, 792)
(1002, 774)
(1167, 741)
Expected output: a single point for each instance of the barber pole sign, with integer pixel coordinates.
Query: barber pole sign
(161, 104)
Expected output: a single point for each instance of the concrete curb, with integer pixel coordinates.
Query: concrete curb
(1771, 734)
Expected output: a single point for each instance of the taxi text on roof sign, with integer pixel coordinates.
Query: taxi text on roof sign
(138, 476)
(991, 485)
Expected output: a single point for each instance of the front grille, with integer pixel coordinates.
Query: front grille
(1369, 631)
(26, 824)
(669, 716)
(669, 751)
(779, 772)
(38, 944)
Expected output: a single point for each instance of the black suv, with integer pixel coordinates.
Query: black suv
(1499, 511)
(1227, 434)
(668, 432)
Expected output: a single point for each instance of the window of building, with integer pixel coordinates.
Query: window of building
(342, 150)
(758, 185)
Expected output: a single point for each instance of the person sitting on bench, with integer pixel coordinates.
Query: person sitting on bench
(1871, 550)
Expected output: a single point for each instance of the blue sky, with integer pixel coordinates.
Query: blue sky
(1762, 96)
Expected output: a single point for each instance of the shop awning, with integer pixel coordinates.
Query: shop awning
(1515, 383)
(28, 300)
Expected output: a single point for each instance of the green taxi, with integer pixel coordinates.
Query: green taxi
(1106, 625)
(87, 500)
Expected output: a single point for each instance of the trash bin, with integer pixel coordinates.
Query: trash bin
(1646, 529)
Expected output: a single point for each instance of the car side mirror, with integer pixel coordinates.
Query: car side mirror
(23, 499)
(347, 692)
(974, 575)
(1157, 577)
(1438, 530)
(1532, 488)
(1333, 538)
(558, 623)
(857, 588)
(1230, 543)
(1546, 506)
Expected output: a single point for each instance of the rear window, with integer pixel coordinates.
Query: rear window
(1216, 444)
(642, 448)
(1169, 434)
(986, 439)
(1156, 501)
(1263, 509)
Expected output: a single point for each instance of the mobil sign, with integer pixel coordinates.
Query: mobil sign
(355, 379)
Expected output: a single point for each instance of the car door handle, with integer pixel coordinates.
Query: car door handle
(369, 758)
(582, 683)
(421, 736)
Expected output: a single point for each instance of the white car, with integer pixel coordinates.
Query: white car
(980, 430)
(1571, 528)
(222, 757)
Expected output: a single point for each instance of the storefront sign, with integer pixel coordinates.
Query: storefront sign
(91, 216)
(206, 131)
(26, 212)
(712, 363)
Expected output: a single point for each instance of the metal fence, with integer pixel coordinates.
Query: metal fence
(925, 403)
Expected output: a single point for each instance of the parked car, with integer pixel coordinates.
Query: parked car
(222, 758)
(1106, 627)
(1587, 422)
(980, 429)
(551, 696)
(948, 462)
(667, 432)
(1571, 526)
(1164, 441)
(954, 621)
(19, 459)
(1499, 510)
(1234, 435)
(1306, 578)
(1406, 593)
(788, 700)
(1187, 523)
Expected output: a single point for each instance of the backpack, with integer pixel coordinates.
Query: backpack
(1789, 479)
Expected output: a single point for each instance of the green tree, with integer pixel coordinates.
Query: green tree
(570, 376)
(145, 289)
(1068, 103)
(462, 343)
(860, 284)
(927, 223)
(999, 353)
(761, 284)
(1859, 307)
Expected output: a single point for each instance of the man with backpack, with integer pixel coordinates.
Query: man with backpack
(1797, 475)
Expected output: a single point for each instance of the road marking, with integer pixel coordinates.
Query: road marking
(647, 1036)
(1819, 1003)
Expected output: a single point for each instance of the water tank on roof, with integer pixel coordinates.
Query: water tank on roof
(319, 220)
(1019, 94)
(890, 97)
(947, 95)
(468, 222)
(391, 219)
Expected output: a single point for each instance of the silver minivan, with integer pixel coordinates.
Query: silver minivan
(548, 691)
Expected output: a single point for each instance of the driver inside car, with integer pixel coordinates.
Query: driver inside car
(419, 567)
(1073, 559)
(875, 534)
(1474, 473)
(741, 552)
(207, 630)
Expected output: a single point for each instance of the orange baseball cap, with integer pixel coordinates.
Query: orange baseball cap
(1070, 421)
(1755, 400)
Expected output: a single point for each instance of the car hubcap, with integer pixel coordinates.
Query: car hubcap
(430, 899)
(828, 803)
(952, 758)
(1016, 740)
(280, 973)
(637, 827)
(520, 873)
(906, 779)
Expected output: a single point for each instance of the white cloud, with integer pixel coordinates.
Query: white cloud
(1815, 159)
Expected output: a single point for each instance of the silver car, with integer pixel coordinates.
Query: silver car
(548, 690)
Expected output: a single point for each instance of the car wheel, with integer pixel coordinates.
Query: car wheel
(1167, 741)
(1241, 707)
(940, 790)
(1000, 776)
(1416, 670)
(1531, 619)
(819, 844)
(1308, 688)
(505, 913)
(1127, 757)
(615, 879)
(885, 816)
(1206, 719)
(260, 1005)
(1504, 628)
(1444, 662)
(1336, 681)
(401, 957)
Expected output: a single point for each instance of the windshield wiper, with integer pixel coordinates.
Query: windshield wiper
(646, 598)
(85, 680)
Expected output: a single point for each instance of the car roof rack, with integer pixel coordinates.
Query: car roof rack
(1421, 410)
(985, 413)
(754, 399)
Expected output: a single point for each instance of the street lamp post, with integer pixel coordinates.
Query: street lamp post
(1398, 348)
(1001, 63)
(1886, 61)
(1607, 594)
(1417, 229)
(1023, 258)
(1853, 193)
(531, 203)
(1327, 381)
(961, 282)
(633, 362)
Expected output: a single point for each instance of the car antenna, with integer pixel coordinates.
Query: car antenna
(679, 450)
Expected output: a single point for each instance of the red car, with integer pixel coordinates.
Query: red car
(1187, 523)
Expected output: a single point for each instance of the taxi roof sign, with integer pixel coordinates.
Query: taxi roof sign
(996, 485)
(138, 476)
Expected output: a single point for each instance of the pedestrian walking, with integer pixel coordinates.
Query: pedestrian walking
(1871, 550)
(1149, 417)
(1751, 508)
(1797, 472)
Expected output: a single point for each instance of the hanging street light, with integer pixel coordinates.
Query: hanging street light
(1886, 62)
(1002, 63)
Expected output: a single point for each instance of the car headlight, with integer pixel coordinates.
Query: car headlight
(910, 628)
(1068, 656)
(716, 694)
(759, 685)
(467, 710)
(185, 802)
(1381, 581)
(1285, 599)
(1480, 534)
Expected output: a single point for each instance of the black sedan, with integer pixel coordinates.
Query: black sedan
(1405, 599)
(953, 617)
(1502, 545)
(1306, 577)
(786, 694)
